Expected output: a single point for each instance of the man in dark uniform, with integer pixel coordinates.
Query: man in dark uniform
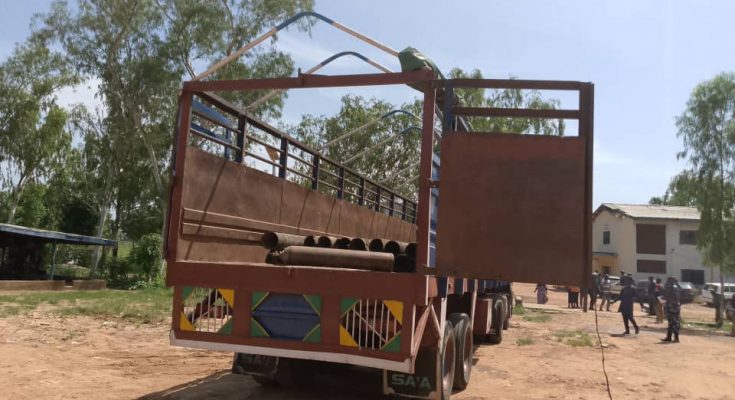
(627, 298)
(651, 295)
(672, 309)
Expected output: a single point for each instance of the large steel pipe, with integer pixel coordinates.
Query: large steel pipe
(320, 257)
(277, 240)
(395, 247)
(326, 241)
(342, 243)
(377, 244)
(411, 250)
(310, 241)
(358, 244)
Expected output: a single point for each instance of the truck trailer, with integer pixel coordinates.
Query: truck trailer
(311, 262)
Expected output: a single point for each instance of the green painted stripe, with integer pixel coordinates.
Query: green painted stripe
(315, 301)
(256, 329)
(346, 304)
(186, 292)
(393, 345)
(258, 298)
(314, 336)
(226, 329)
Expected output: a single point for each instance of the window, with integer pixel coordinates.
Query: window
(652, 266)
(687, 237)
(650, 239)
(695, 276)
(606, 237)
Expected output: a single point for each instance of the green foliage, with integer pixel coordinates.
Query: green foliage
(33, 138)
(518, 309)
(524, 341)
(537, 317)
(145, 258)
(682, 191)
(508, 98)
(707, 128)
(139, 306)
(574, 338)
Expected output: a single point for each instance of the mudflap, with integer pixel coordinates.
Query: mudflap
(424, 383)
(253, 364)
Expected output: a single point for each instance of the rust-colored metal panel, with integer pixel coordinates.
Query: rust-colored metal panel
(225, 206)
(513, 207)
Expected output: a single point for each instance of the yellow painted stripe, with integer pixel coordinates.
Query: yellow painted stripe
(185, 324)
(396, 308)
(345, 339)
(228, 295)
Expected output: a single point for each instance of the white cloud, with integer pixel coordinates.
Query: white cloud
(84, 93)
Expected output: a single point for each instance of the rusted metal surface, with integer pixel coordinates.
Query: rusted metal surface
(512, 208)
(338, 258)
(311, 81)
(221, 217)
(395, 247)
(278, 240)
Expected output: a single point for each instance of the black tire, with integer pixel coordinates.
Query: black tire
(265, 380)
(294, 373)
(508, 307)
(463, 349)
(497, 324)
(448, 362)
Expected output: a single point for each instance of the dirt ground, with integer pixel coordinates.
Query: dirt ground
(45, 357)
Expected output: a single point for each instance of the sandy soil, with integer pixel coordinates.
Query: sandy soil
(43, 357)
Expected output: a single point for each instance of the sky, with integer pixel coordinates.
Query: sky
(644, 57)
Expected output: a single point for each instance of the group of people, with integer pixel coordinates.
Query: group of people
(662, 300)
(671, 305)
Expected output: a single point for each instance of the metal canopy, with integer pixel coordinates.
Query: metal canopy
(17, 231)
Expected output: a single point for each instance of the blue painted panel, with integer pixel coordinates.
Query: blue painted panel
(286, 316)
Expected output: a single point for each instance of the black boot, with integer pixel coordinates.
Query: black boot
(676, 337)
(668, 336)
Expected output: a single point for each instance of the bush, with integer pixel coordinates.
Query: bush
(145, 258)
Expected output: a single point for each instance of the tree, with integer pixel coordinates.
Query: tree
(140, 50)
(707, 128)
(508, 98)
(682, 191)
(33, 138)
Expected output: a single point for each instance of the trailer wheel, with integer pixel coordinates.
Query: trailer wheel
(463, 340)
(508, 307)
(448, 362)
(497, 323)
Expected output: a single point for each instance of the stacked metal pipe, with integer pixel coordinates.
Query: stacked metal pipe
(329, 251)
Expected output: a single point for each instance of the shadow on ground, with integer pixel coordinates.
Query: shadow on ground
(346, 383)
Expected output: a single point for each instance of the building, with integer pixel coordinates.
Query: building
(649, 240)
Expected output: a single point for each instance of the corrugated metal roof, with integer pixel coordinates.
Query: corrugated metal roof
(649, 211)
(53, 236)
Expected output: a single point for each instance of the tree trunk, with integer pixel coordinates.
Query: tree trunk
(15, 198)
(104, 209)
(720, 300)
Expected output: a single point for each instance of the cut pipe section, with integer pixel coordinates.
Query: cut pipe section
(339, 258)
(278, 240)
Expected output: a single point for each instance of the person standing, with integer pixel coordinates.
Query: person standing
(605, 291)
(672, 309)
(651, 296)
(575, 296)
(627, 298)
(594, 291)
(659, 303)
(541, 293)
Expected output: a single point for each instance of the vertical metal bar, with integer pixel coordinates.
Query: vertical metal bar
(241, 127)
(284, 158)
(403, 209)
(378, 196)
(380, 324)
(177, 179)
(53, 260)
(315, 172)
(448, 103)
(586, 130)
(341, 183)
(361, 192)
(392, 203)
(427, 152)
